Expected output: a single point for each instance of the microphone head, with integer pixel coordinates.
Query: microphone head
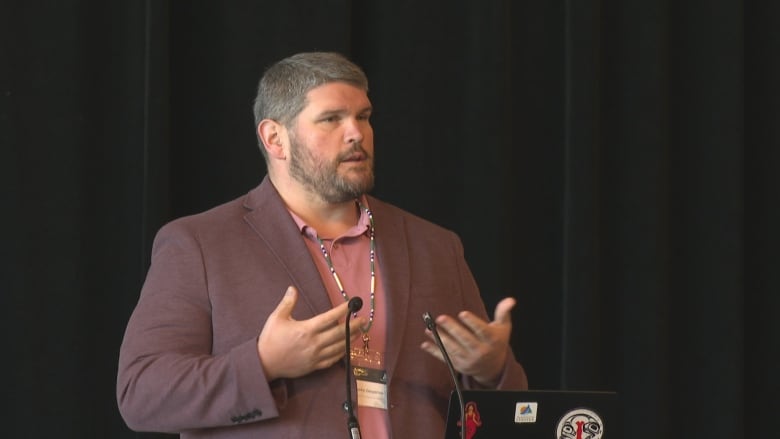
(429, 323)
(355, 304)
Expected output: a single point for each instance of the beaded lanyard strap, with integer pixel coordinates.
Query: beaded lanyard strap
(372, 284)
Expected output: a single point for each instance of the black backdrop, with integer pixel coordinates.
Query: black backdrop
(612, 164)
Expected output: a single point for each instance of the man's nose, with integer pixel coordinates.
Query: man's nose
(354, 130)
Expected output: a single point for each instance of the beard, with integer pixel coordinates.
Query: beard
(323, 178)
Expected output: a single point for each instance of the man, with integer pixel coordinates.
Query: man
(239, 330)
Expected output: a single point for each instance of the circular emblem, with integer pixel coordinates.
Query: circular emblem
(580, 424)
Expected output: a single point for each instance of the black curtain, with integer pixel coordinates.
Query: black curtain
(611, 164)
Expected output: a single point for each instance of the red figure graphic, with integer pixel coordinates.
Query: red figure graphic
(473, 420)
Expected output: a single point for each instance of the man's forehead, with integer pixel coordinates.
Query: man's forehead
(336, 94)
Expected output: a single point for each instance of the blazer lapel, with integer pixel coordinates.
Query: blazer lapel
(394, 262)
(270, 219)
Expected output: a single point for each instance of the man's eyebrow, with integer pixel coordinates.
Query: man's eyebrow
(366, 109)
(342, 111)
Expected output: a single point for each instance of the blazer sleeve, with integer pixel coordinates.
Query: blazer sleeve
(168, 378)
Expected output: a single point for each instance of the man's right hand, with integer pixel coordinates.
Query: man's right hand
(290, 348)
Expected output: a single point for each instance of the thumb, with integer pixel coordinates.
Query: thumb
(503, 314)
(286, 305)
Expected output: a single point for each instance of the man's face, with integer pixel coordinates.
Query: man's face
(332, 143)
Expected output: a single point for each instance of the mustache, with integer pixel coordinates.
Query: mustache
(357, 148)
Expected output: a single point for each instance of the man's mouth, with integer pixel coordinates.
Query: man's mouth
(355, 157)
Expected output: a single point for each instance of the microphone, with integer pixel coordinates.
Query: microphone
(431, 325)
(355, 304)
(353, 427)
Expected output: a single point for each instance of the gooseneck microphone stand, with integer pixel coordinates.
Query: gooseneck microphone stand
(353, 427)
(431, 325)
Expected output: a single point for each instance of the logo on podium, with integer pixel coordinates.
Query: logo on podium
(580, 424)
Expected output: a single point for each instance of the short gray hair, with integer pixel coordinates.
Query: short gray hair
(281, 94)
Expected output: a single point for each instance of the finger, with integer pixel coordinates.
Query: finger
(482, 329)
(448, 337)
(462, 330)
(328, 359)
(329, 318)
(335, 334)
(453, 335)
(432, 349)
(286, 305)
(357, 324)
(503, 313)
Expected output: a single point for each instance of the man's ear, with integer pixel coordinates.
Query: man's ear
(271, 133)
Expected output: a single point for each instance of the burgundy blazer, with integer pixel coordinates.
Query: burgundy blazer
(188, 362)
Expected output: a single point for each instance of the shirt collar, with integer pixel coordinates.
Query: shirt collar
(358, 229)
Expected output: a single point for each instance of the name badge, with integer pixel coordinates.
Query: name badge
(370, 378)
